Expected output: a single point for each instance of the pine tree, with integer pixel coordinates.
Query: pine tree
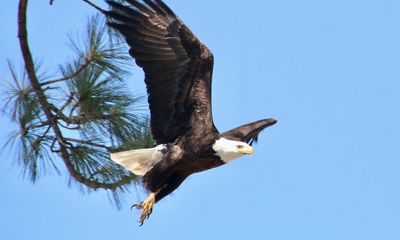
(80, 116)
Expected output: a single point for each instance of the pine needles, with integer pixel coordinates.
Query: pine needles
(81, 116)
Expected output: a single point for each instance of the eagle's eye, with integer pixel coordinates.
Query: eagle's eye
(239, 146)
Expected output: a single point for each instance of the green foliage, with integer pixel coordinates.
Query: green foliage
(102, 47)
(32, 147)
(144, 139)
(92, 107)
(24, 105)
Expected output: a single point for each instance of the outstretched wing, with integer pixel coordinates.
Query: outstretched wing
(171, 57)
(249, 132)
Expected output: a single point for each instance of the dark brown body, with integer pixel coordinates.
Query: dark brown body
(180, 161)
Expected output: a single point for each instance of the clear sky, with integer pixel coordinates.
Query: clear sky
(329, 71)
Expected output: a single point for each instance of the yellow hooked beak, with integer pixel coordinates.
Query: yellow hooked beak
(246, 150)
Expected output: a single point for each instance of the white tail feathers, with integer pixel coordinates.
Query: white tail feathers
(139, 161)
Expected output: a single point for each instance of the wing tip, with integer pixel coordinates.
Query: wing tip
(271, 121)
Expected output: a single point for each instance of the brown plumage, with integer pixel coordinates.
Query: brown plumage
(178, 72)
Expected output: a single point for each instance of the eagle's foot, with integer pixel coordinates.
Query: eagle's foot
(147, 206)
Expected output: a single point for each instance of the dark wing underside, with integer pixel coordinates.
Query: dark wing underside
(249, 132)
(171, 57)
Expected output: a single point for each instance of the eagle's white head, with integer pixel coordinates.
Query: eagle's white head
(229, 150)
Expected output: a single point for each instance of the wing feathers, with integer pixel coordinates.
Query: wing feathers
(165, 7)
(140, 6)
(155, 7)
(249, 132)
(170, 56)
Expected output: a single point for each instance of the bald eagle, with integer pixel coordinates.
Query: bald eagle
(178, 70)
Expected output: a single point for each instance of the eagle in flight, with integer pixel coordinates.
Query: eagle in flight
(178, 71)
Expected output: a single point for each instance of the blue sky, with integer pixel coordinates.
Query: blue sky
(330, 169)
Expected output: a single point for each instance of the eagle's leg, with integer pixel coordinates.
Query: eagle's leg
(147, 206)
(169, 185)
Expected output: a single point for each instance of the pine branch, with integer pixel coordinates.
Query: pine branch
(69, 100)
(43, 124)
(52, 146)
(48, 109)
(82, 67)
(77, 120)
(26, 129)
(94, 184)
(30, 68)
(90, 143)
(77, 127)
(44, 134)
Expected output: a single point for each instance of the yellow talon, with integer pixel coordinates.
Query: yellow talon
(147, 206)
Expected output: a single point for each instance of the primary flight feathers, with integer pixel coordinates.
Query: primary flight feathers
(171, 58)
